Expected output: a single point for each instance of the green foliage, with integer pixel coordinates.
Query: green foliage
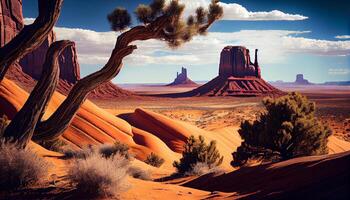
(166, 20)
(286, 130)
(197, 151)
(154, 160)
(119, 19)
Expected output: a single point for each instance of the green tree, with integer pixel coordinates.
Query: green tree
(287, 129)
(197, 151)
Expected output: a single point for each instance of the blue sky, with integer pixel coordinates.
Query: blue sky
(292, 37)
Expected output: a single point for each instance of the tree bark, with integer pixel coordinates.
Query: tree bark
(22, 126)
(60, 120)
(31, 36)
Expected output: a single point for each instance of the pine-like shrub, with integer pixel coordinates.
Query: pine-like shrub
(154, 160)
(287, 129)
(197, 151)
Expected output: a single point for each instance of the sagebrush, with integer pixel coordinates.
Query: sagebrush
(97, 175)
(197, 151)
(20, 167)
(287, 129)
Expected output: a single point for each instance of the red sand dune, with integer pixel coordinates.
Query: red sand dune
(91, 125)
(313, 177)
(144, 131)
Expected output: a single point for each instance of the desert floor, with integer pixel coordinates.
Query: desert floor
(213, 113)
(218, 117)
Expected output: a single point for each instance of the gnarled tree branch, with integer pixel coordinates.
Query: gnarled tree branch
(23, 124)
(31, 36)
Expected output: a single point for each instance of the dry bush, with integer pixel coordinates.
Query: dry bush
(201, 168)
(154, 160)
(20, 167)
(139, 173)
(79, 154)
(100, 176)
(108, 150)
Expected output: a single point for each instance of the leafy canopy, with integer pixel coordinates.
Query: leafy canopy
(168, 21)
(287, 129)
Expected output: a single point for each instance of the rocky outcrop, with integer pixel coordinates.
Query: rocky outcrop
(238, 76)
(182, 79)
(32, 63)
(235, 61)
(11, 22)
(300, 80)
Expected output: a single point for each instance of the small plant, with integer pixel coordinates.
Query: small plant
(197, 151)
(139, 173)
(20, 167)
(79, 154)
(3, 124)
(97, 175)
(154, 160)
(108, 150)
(202, 168)
(287, 129)
(57, 145)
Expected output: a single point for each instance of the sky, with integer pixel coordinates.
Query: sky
(293, 36)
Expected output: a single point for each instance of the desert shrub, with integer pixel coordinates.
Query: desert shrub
(97, 175)
(197, 151)
(154, 160)
(79, 154)
(109, 150)
(3, 124)
(139, 173)
(20, 167)
(286, 130)
(200, 168)
(57, 145)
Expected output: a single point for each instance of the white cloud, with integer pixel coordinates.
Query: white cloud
(28, 20)
(338, 71)
(342, 37)
(274, 47)
(234, 11)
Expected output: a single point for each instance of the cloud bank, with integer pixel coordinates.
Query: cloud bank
(234, 11)
(342, 37)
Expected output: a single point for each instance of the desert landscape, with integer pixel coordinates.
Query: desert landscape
(235, 136)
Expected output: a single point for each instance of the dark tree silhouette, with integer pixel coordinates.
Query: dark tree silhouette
(31, 36)
(286, 130)
(159, 21)
(21, 127)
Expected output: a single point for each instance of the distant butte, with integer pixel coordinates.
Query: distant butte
(182, 79)
(300, 80)
(238, 76)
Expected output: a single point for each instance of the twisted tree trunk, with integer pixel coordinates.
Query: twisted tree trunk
(22, 126)
(31, 36)
(60, 120)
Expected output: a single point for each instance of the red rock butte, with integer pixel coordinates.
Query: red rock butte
(29, 68)
(238, 76)
(182, 79)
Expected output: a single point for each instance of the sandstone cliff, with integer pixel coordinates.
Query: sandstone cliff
(11, 22)
(238, 76)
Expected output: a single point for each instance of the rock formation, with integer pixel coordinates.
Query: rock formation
(11, 22)
(182, 79)
(300, 80)
(238, 76)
